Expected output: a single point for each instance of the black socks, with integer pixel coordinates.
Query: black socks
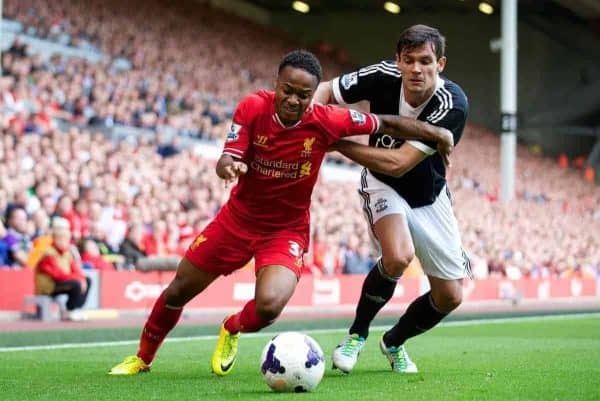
(377, 290)
(420, 316)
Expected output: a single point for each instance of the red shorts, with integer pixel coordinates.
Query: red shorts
(224, 247)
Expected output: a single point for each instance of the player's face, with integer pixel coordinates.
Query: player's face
(294, 90)
(420, 70)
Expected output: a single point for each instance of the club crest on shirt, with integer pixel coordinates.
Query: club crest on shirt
(308, 144)
(234, 132)
(358, 117)
(199, 240)
(380, 205)
(349, 80)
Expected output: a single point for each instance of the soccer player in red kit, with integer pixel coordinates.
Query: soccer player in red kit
(274, 148)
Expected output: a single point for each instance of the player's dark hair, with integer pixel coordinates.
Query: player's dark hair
(418, 35)
(302, 59)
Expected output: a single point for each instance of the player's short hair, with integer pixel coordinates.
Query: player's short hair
(418, 35)
(302, 59)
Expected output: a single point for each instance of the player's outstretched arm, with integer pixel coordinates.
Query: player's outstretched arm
(229, 169)
(408, 128)
(392, 162)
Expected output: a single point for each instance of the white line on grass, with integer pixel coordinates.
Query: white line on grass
(272, 333)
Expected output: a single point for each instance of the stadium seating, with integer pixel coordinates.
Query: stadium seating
(162, 86)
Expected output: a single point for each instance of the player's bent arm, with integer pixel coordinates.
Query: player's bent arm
(324, 93)
(224, 161)
(229, 168)
(392, 162)
(408, 128)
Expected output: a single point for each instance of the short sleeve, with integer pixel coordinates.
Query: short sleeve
(238, 136)
(362, 84)
(347, 122)
(448, 109)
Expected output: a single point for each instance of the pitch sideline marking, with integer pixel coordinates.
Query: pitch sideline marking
(272, 333)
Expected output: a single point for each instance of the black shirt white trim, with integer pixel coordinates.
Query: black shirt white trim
(381, 85)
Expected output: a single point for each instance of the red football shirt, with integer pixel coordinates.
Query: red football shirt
(283, 162)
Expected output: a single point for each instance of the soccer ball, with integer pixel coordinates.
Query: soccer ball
(292, 362)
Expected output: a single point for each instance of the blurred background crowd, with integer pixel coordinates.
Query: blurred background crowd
(150, 195)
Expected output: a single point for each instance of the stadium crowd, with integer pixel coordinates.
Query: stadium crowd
(129, 199)
(186, 73)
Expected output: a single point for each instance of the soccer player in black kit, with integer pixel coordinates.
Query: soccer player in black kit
(404, 193)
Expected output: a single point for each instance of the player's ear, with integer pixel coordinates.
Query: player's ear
(441, 64)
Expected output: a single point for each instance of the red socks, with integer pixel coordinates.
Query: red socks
(160, 322)
(246, 321)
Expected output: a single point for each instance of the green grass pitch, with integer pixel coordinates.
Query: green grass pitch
(537, 359)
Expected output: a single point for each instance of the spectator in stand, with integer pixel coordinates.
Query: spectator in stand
(17, 238)
(155, 243)
(18, 48)
(64, 208)
(59, 271)
(90, 256)
(357, 257)
(189, 89)
(98, 236)
(131, 248)
(42, 239)
(81, 216)
(4, 248)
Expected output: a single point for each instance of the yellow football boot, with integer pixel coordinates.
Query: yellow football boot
(225, 353)
(132, 365)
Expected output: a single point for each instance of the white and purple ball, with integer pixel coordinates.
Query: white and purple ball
(292, 362)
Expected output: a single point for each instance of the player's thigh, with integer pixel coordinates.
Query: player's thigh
(279, 261)
(285, 248)
(220, 249)
(435, 233)
(386, 213)
(394, 239)
(189, 281)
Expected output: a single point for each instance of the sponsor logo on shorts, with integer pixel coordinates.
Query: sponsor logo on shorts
(381, 205)
(297, 252)
(295, 249)
(349, 80)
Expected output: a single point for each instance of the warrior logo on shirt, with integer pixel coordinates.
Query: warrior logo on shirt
(261, 140)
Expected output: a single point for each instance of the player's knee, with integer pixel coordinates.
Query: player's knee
(395, 264)
(448, 301)
(269, 307)
(175, 294)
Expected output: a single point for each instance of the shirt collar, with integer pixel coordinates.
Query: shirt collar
(278, 120)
